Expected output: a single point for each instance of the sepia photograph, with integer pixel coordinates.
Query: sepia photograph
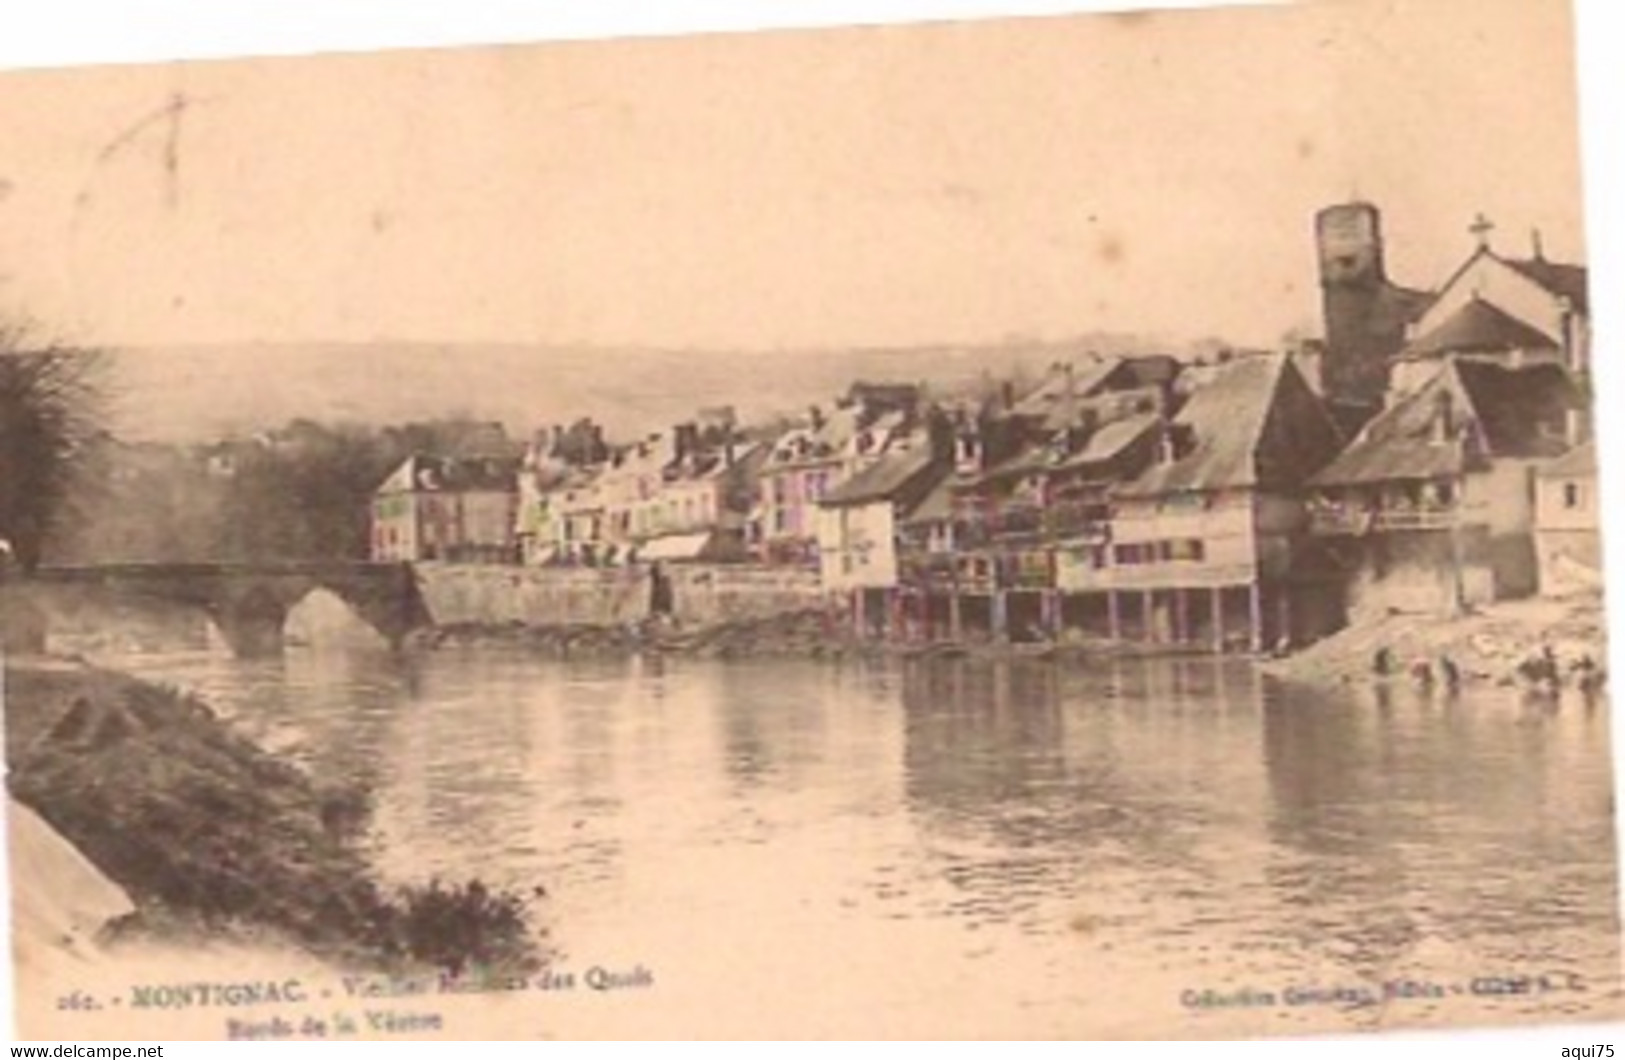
(1081, 526)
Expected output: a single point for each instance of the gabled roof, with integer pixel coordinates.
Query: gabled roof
(1579, 462)
(1507, 413)
(1556, 278)
(1565, 281)
(1034, 457)
(1523, 411)
(1227, 417)
(435, 474)
(937, 506)
(1478, 327)
(888, 479)
(1111, 439)
(1081, 380)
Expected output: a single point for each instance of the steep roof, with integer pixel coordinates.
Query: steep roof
(1227, 417)
(1478, 327)
(889, 478)
(1579, 462)
(1509, 413)
(1111, 439)
(937, 506)
(1522, 411)
(1081, 379)
(432, 474)
(1565, 281)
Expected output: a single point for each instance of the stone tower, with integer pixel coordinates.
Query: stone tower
(1366, 315)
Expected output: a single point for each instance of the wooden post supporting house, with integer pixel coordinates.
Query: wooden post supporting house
(1000, 606)
(859, 625)
(1182, 618)
(1148, 618)
(1050, 608)
(955, 621)
(1216, 601)
(1283, 615)
(1114, 621)
(1255, 617)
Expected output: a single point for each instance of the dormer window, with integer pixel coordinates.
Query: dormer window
(1178, 441)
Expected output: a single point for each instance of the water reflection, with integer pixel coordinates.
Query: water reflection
(1005, 830)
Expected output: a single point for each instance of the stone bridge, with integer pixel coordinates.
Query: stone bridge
(247, 602)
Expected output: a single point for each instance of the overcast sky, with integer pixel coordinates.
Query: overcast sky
(879, 186)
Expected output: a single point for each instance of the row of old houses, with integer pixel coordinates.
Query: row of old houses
(1431, 454)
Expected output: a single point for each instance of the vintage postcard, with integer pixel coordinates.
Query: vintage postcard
(1067, 527)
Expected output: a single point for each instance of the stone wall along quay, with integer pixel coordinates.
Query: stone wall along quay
(460, 595)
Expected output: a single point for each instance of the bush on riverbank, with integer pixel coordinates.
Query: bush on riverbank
(205, 830)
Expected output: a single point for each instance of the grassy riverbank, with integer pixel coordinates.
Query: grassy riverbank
(209, 834)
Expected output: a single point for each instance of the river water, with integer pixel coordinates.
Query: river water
(970, 848)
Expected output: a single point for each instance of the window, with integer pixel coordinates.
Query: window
(1571, 494)
(1190, 550)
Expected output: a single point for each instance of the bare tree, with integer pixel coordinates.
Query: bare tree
(50, 412)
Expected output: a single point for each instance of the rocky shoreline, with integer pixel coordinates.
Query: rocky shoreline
(1496, 644)
(795, 633)
(1501, 644)
(212, 837)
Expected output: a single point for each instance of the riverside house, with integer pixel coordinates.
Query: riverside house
(559, 465)
(808, 460)
(705, 495)
(1206, 542)
(860, 524)
(453, 509)
(1431, 508)
(1030, 492)
(1568, 544)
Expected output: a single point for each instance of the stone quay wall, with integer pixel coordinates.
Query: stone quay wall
(470, 594)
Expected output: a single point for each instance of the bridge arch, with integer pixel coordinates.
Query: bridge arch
(249, 604)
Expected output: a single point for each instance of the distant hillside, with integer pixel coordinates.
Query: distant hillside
(199, 392)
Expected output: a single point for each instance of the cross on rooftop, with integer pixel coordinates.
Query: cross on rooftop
(1481, 228)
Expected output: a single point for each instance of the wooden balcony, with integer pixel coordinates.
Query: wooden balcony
(1075, 522)
(1348, 520)
(931, 571)
(1417, 519)
(1029, 524)
(1330, 521)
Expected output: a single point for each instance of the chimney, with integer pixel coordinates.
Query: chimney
(1535, 245)
(1007, 394)
(1167, 452)
(684, 440)
(1444, 418)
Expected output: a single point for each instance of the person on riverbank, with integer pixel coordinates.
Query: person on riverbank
(1451, 674)
(1382, 662)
